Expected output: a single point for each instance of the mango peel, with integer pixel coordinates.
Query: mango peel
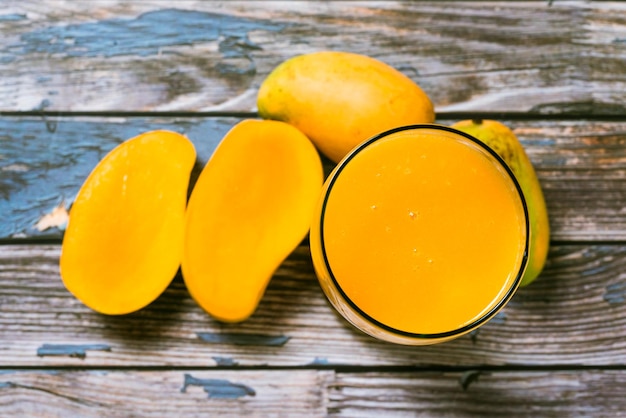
(250, 208)
(131, 229)
(339, 99)
(504, 142)
(124, 240)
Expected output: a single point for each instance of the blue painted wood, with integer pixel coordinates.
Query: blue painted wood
(616, 292)
(244, 339)
(218, 388)
(550, 58)
(144, 35)
(198, 55)
(225, 361)
(70, 350)
(562, 320)
(42, 167)
(44, 160)
(12, 17)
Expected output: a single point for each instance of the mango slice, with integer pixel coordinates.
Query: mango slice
(124, 240)
(504, 142)
(250, 208)
(339, 99)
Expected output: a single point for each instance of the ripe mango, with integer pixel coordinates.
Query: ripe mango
(250, 208)
(504, 142)
(339, 99)
(124, 240)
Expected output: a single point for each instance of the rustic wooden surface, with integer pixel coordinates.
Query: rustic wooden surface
(79, 77)
(468, 56)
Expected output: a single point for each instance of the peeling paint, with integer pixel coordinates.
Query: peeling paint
(145, 35)
(469, 377)
(36, 164)
(51, 125)
(499, 318)
(18, 168)
(225, 361)
(615, 293)
(243, 339)
(13, 17)
(538, 142)
(319, 361)
(70, 350)
(594, 271)
(45, 103)
(218, 388)
(56, 218)
(237, 47)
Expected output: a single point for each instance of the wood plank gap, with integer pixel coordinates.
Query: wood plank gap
(513, 116)
(130, 114)
(37, 240)
(338, 368)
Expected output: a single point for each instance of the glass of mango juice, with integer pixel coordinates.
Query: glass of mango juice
(421, 235)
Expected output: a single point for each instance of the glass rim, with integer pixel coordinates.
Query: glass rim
(407, 334)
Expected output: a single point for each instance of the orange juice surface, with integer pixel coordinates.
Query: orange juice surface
(423, 233)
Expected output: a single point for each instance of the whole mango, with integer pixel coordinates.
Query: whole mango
(339, 99)
(504, 142)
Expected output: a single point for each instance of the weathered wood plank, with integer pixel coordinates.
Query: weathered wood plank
(472, 393)
(311, 393)
(43, 162)
(190, 393)
(119, 55)
(574, 314)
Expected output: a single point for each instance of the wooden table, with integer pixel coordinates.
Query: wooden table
(79, 77)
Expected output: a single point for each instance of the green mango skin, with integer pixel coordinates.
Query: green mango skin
(504, 142)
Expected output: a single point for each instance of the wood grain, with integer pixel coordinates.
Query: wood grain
(581, 166)
(557, 68)
(567, 57)
(190, 393)
(45, 160)
(311, 393)
(574, 314)
(493, 394)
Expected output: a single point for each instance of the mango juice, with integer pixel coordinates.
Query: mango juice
(421, 235)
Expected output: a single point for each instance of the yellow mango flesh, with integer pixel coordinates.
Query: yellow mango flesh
(250, 208)
(504, 142)
(124, 240)
(339, 99)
